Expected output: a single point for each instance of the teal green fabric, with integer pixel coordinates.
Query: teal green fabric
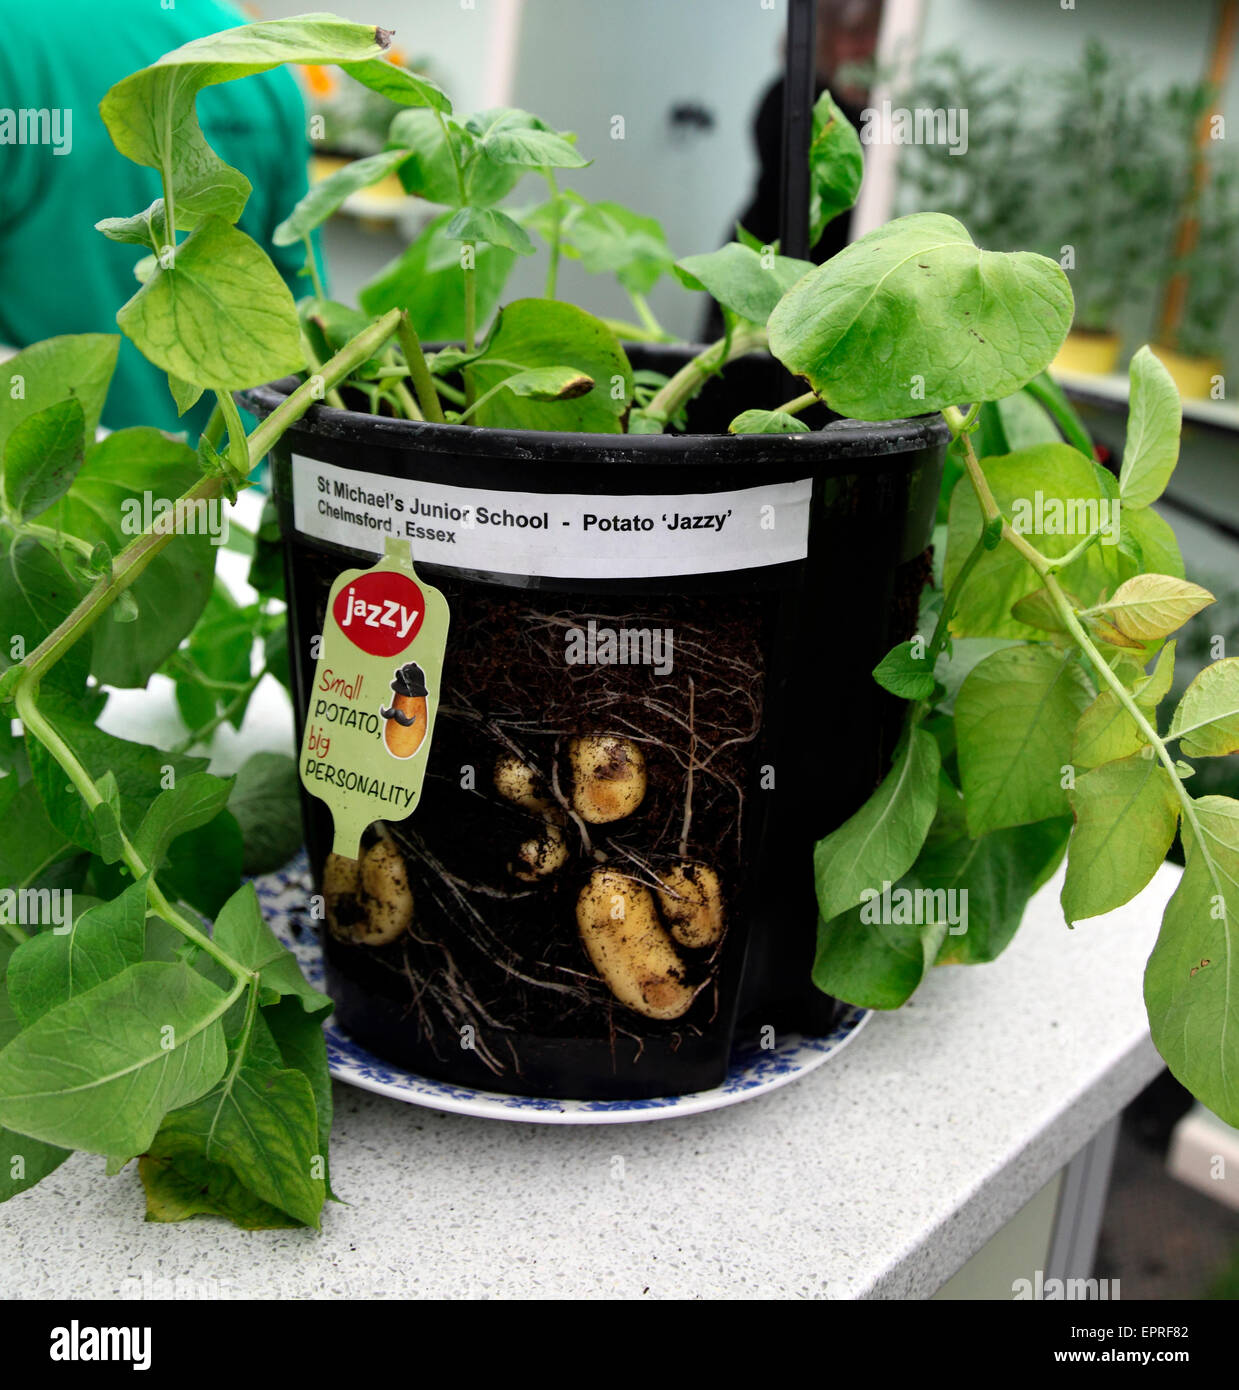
(59, 275)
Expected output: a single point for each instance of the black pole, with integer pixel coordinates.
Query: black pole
(799, 83)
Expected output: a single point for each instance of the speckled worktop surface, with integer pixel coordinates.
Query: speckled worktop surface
(878, 1175)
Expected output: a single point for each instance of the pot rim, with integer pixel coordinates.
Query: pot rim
(844, 438)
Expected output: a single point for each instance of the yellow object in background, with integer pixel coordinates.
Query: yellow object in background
(1094, 354)
(1194, 376)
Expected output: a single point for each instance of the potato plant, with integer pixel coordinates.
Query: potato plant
(143, 1032)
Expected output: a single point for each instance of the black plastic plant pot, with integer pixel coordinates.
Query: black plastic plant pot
(670, 640)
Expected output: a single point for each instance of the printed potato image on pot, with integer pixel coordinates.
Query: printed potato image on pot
(405, 727)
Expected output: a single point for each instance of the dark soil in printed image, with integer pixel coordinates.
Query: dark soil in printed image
(558, 797)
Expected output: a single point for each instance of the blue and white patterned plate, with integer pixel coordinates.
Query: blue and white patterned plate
(754, 1070)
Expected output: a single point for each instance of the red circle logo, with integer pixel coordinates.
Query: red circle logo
(381, 612)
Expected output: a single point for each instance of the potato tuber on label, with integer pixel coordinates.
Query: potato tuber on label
(405, 722)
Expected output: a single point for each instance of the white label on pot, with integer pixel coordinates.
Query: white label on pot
(555, 535)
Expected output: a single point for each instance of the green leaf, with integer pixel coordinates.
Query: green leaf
(148, 228)
(549, 383)
(1126, 816)
(1159, 549)
(77, 366)
(427, 282)
(107, 505)
(151, 114)
(836, 165)
(430, 172)
(42, 457)
(193, 801)
(492, 226)
(549, 333)
(883, 838)
(184, 395)
(180, 1183)
(299, 1037)
(1014, 720)
(1207, 720)
(219, 316)
(1191, 984)
(905, 671)
(31, 844)
(1025, 423)
(1148, 607)
(611, 239)
(875, 963)
(329, 194)
(954, 323)
(204, 865)
(1071, 495)
(241, 931)
(36, 595)
(1154, 419)
(260, 1123)
(1107, 732)
(57, 965)
(766, 422)
(1038, 610)
(266, 803)
(508, 137)
(23, 1161)
(398, 84)
(1000, 871)
(99, 1071)
(746, 282)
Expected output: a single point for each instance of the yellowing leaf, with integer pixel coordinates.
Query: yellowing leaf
(1151, 606)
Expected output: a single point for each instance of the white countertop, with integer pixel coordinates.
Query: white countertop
(878, 1175)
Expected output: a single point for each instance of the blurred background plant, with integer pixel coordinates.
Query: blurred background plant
(346, 118)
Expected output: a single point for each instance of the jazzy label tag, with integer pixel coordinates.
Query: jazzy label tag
(375, 695)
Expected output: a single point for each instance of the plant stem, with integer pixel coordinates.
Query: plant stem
(238, 455)
(799, 403)
(941, 627)
(552, 269)
(471, 308)
(213, 430)
(59, 539)
(634, 333)
(415, 361)
(646, 314)
(405, 398)
(238, 701)
(333, 396)
(691, 377)
(311, 265)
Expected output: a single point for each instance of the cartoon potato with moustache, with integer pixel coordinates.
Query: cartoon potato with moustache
(405, 726)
